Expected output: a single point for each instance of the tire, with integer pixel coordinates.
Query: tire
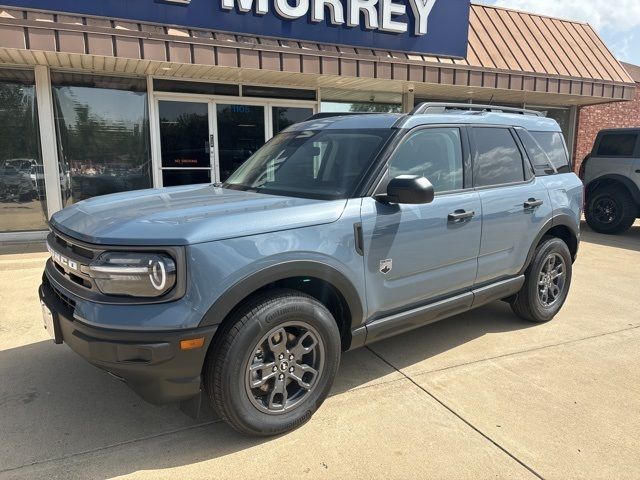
(529, 304)
(611, 210)
(253, 339)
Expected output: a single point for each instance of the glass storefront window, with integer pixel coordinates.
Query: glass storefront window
(560, 115)
(103, 135)
(22, 193)
(361, 107)
(284, 117)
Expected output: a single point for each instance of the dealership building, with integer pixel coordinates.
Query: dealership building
(106, 96)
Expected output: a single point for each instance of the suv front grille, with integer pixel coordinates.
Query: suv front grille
(68, 245)
(71, 259)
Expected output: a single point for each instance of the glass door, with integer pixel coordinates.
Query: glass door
(241, 132)
(204, 140)
(185, 142)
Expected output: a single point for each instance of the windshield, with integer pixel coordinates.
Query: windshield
(325, 164)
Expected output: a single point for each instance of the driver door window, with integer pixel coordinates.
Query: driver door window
(434, 153)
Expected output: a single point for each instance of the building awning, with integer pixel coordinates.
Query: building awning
(512, 57)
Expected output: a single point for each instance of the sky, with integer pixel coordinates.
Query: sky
(617, 21)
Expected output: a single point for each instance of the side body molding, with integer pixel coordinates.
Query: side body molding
(295, 268)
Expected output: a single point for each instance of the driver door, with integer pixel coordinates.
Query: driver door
(415, 254)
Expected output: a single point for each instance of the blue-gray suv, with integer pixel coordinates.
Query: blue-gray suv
(339, 232)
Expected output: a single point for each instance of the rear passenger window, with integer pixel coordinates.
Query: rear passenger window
(617, 145)
(553, 145)
(434, 153)
(497, 159)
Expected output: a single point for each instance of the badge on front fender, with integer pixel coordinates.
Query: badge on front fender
(386, 266)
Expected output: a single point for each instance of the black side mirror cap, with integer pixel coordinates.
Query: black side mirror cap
(408, 190)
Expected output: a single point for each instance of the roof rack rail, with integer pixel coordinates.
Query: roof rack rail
(435, 108)
(320, 116)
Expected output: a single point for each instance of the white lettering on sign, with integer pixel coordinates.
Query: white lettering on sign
(286, 10)
(388, 10)
(247, 5)
(377, 14)
(422, 10)
(335, 11)
(368, 9)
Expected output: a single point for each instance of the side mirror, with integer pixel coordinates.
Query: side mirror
(408, 190)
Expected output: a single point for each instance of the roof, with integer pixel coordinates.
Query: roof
(366, 121)
(518, 41)
(633, 70)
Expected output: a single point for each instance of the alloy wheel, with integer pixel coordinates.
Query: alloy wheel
(605, 210)
(552, 279)
(284, 368)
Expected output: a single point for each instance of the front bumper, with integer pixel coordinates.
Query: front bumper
(151, 363)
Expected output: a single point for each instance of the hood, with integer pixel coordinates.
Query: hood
(188, 215)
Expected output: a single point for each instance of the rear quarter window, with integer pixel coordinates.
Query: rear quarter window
(617, 145)
(553, 145)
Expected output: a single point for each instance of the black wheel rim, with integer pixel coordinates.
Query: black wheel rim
(284, 367)
(605, 210)
(551, 280)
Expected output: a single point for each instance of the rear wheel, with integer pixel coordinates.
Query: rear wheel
(274, 364)
(611, 210)
(547, 283)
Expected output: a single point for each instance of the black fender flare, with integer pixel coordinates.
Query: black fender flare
(626, 181)
(231, 298)
(558, 220)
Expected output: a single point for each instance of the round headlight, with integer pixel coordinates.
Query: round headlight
(134, 274)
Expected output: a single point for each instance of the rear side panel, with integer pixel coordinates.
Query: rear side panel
(566, 195)
(600, 166)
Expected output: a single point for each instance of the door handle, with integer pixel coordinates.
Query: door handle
(533, 203)
(460, 216)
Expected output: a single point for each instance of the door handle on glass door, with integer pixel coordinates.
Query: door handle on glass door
(460, 216)
(533, 203)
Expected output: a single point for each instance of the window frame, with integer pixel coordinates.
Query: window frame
(602, 135)
(381, 178)
(527, 172)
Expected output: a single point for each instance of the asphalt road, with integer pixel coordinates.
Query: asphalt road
(481, 395)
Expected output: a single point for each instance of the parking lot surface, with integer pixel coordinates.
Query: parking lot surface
(481, 395)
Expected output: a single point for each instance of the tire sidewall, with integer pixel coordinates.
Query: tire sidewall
(267, 317)
(540, 312)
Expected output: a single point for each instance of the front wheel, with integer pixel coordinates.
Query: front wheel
(547, 283)
(274, 364)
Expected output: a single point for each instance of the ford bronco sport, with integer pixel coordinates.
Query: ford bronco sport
(611, 175)
(339, 232)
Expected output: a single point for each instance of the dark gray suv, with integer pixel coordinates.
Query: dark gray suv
(611, 175)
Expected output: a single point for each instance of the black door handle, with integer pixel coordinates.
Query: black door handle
(533, 203)
(460, 216)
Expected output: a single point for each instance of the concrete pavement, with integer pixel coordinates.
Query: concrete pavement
(481, 395)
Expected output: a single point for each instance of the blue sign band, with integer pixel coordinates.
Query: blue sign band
(436, 27)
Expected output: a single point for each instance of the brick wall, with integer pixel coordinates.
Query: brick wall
(598, 117)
